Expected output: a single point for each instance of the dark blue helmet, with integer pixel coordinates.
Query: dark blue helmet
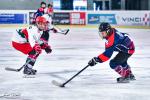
(104, 26)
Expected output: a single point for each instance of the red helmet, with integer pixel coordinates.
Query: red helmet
(41, 23)
(40, 19)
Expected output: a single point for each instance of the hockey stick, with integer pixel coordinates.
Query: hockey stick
(63, 84)
(19, 69)
(65, 31)
(61, 31)
(13, 69)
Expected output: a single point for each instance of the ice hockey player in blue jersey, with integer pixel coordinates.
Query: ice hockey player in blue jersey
(40, 11)
(120, 42)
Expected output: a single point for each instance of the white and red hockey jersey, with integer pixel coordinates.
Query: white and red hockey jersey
(49, 11)
(28, 35)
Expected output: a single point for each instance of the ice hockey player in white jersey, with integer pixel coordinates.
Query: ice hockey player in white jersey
(31, 41)
(47, 12)
(53, 27)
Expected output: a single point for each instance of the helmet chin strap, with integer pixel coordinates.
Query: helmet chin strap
(108, 32)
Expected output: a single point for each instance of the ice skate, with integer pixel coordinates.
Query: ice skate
(123, 80)
(132, 77)
(29, 71)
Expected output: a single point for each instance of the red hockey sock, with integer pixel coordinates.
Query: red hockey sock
(123, 71)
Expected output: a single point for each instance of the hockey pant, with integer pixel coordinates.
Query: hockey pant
(120, 65)
(28, 50)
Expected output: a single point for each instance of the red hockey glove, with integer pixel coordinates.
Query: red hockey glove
(37, 48)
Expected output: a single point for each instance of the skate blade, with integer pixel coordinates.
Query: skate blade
(124, 81)
(132, 79)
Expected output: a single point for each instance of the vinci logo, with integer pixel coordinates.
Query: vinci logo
(138, 20)
(146, 19)
(132, 19)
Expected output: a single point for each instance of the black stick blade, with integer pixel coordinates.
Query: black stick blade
(57, 84)
(11, 69)
(66, 32)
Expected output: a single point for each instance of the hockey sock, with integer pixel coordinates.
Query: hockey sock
(123, 71)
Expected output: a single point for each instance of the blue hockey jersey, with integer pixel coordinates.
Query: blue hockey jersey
(117, 41)
(39, 12)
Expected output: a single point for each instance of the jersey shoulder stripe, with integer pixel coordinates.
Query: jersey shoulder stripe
(110, 40)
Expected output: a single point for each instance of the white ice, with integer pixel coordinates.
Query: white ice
(70, 54)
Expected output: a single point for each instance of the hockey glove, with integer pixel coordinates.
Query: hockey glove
(94, 61)
(54, 30)
(48, 49)
(37, 48)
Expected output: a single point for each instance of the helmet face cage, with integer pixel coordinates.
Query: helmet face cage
(41, 23)
(104, 27)
(100, 34)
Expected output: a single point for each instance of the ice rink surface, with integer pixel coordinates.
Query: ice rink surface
(70, 54)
